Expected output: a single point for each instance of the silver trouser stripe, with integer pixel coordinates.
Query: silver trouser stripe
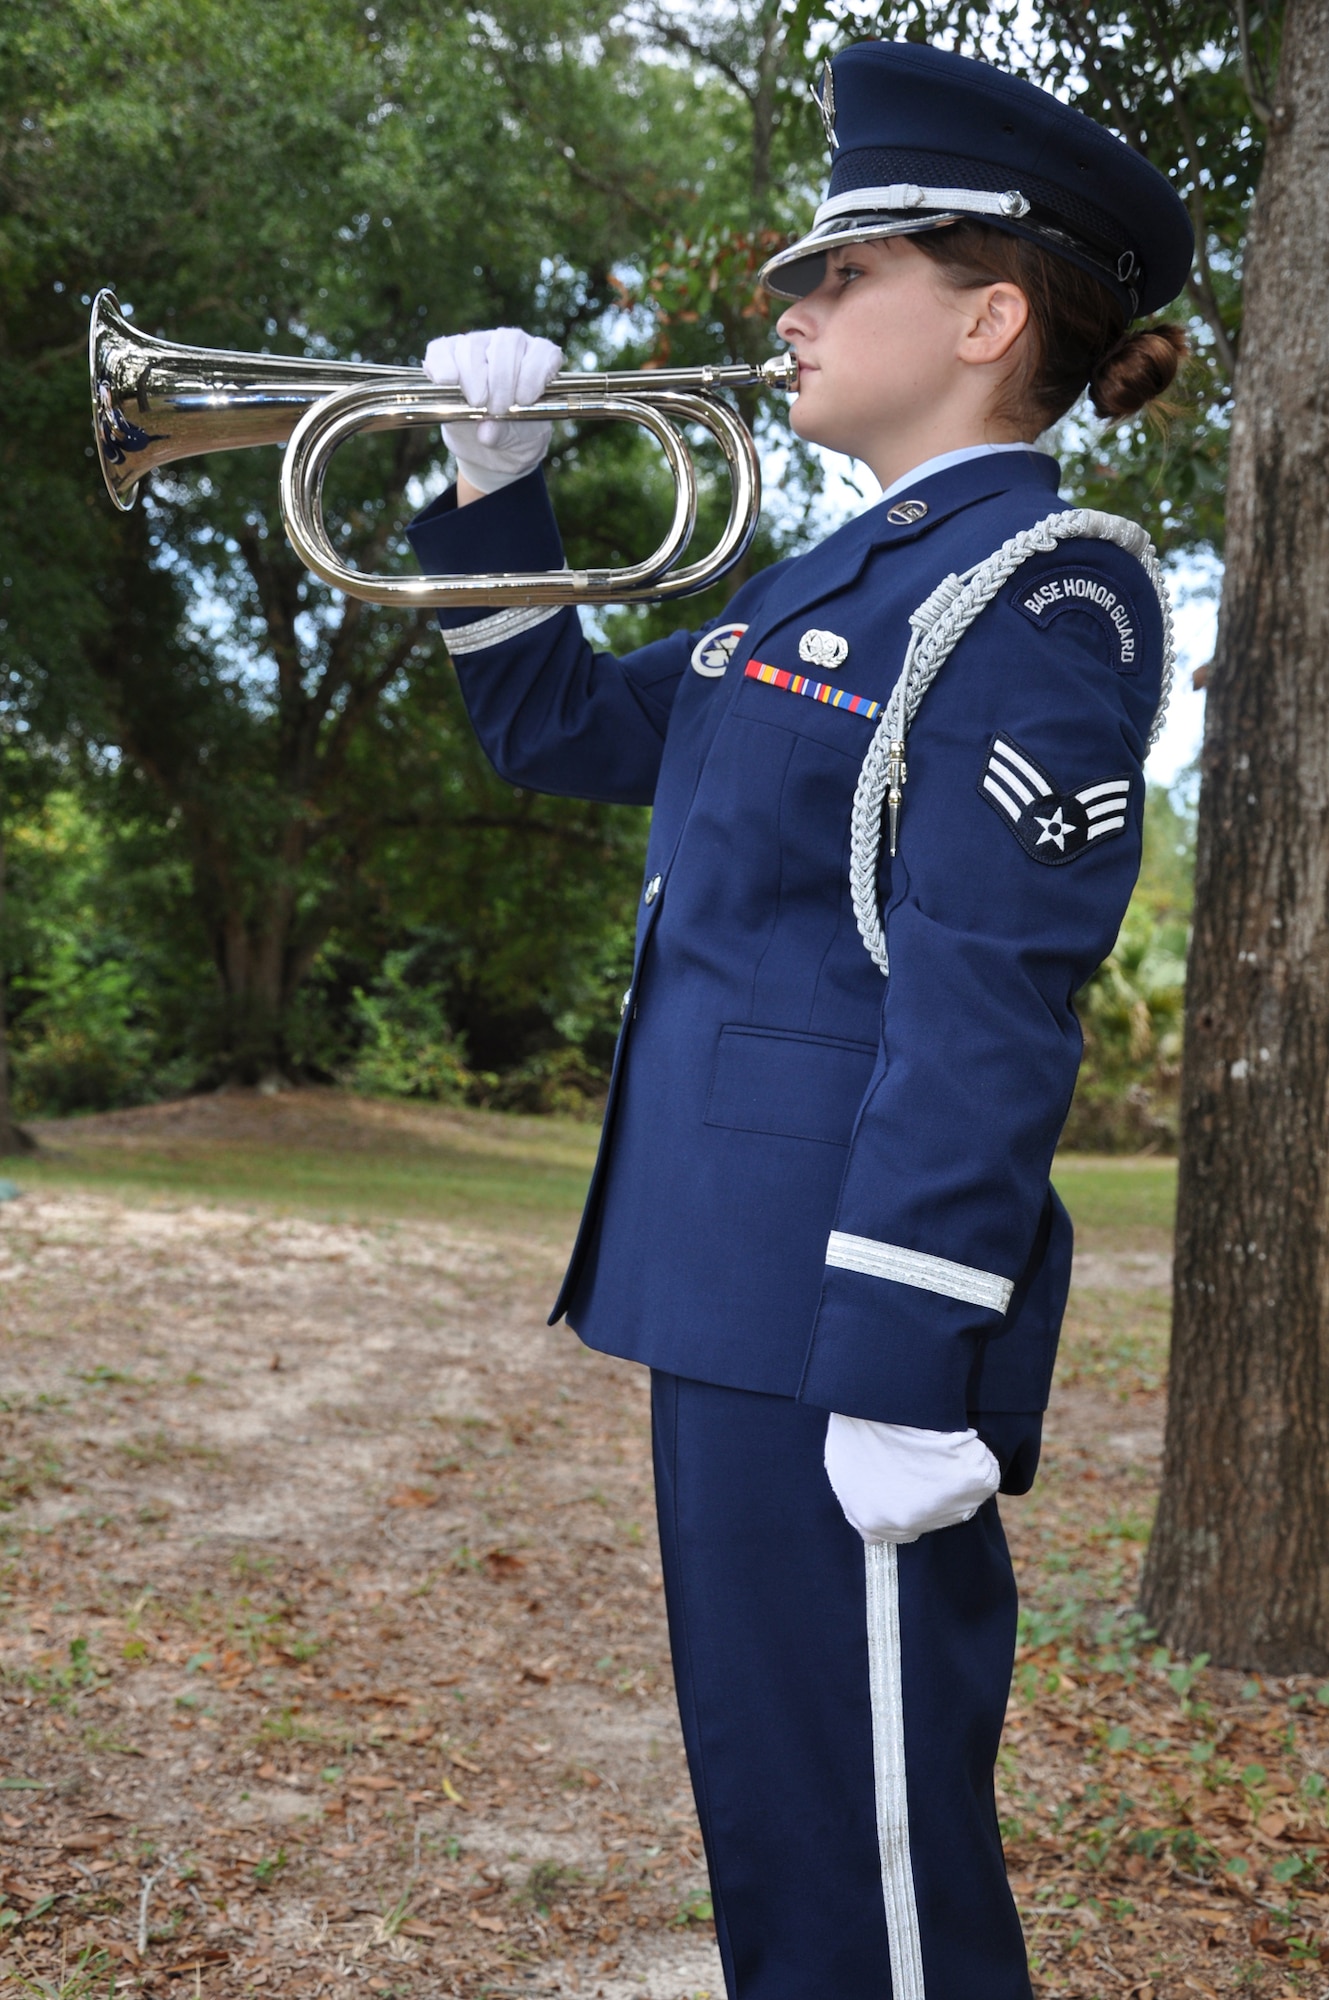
(911, 1267)
(503, 625)
(885, 1682)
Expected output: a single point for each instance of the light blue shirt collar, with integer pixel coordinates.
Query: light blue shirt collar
(944, 460)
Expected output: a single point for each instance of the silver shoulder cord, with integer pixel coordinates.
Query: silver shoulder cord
(938, 625)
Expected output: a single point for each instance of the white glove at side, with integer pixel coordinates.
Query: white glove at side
(495, 369)
(896, 1483)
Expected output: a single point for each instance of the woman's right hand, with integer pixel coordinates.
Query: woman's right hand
(495, 369)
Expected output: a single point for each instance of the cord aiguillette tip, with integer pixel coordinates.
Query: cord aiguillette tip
(896, 774)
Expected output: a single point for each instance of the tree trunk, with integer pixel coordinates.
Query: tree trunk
(771, 26)
(252, 1045)
(259, 969)
(1239, 1564)
(264, 939)
(13, 1139)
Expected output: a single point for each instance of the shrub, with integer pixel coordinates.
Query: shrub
(562, 1080)
(408, 1049)
(1131, 1011)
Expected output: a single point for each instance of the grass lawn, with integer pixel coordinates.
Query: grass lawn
(1111, 1198)
(324, 1153)
(327, 1153)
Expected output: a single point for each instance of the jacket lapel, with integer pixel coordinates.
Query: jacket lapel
(836, 563)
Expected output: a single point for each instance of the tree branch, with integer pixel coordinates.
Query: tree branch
(763, 102)
(363, 696)
(1200, 291)
(277, 586)
(614, 190)
(1200, 285)
(1259, 102)
(675, 36)
(568, 836)
(412, 449)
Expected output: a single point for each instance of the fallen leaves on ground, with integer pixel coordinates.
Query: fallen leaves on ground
(355, 1670)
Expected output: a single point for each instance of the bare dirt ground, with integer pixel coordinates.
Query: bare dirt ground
(334, 1655)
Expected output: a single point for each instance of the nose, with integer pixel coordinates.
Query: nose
(794, 322)
(801, 319)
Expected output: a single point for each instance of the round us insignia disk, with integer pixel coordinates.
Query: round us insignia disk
(712, 654)
(905, 512)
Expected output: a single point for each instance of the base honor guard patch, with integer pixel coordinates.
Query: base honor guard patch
(1085, 591)
(1051, 826)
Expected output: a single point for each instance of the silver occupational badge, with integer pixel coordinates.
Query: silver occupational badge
(826, 650)
(906, 512)
(712, 654)
(824, 99)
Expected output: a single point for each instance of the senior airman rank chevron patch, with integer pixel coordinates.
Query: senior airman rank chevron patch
(1051, 826)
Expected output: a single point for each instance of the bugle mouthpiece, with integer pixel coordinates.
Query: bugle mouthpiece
(781, 371)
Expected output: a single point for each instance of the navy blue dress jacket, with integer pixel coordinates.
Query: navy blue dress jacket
(814, 1181)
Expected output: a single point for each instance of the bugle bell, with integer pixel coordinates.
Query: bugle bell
(155, 402)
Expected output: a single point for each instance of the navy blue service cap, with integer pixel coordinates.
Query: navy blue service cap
(921, 137)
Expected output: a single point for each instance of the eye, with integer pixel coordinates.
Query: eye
(848, 271)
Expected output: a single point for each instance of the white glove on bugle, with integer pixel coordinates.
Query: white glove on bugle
(495, 369)
(896, 1483)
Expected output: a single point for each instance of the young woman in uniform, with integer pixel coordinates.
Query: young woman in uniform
(822, 1213)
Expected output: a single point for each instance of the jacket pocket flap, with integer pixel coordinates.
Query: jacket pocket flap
(793, 1086)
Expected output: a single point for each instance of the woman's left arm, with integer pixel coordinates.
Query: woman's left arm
(1019, 846)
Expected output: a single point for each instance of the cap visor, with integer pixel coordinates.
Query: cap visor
(793, 273)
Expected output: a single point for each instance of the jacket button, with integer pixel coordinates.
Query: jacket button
(625, 1003)
(653, 888)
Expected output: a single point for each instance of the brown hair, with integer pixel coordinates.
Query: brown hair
(1078, 333)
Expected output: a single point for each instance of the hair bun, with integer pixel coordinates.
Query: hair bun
(1137, 369)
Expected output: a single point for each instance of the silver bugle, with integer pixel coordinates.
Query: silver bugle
(155, 402)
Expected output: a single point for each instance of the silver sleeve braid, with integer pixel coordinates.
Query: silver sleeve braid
(938, 625)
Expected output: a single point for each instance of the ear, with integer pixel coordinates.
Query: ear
(1000, 316)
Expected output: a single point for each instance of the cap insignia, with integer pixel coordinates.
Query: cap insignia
(826, 650)
(825, 103)
(906, 512)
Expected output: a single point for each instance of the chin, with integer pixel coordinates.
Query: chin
(803, 422)
(829, 436)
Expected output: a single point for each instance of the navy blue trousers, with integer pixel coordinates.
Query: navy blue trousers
(764, 1584)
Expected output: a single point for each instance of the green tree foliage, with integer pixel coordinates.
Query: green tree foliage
(1131, 1010)
(107, 976)
(326, 178)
